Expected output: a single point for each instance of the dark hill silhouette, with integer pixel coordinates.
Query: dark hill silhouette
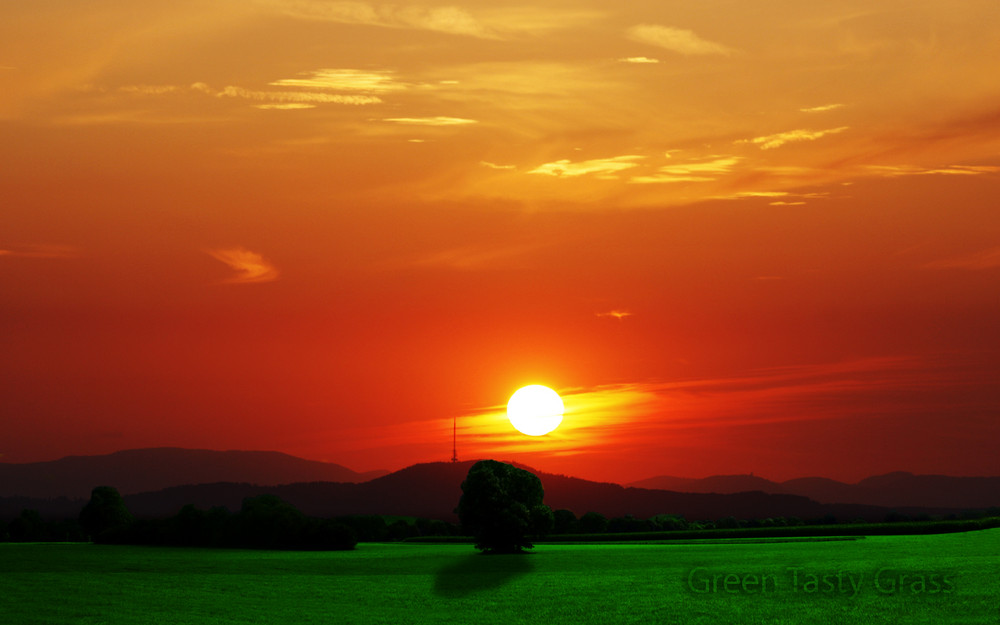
(894, 490)
(142, 470)
(432, 490)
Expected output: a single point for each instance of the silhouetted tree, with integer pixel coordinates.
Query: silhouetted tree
(593, 523)
(667, 522)
(104, 512)
(497, 506)
(564, 522)
(627, 523)
(269, 522)
(28, 527)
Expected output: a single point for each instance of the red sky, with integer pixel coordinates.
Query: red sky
(735, 237)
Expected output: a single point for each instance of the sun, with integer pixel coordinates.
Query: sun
(535, 410)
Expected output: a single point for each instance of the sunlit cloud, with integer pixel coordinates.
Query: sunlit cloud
(615, 314)
(985, 259)
(250, 267)
(719, 165)
(495, 166)
(770, 142)
(892, 171)
(344, 80)
(639, 60)
(821, 109)
(667, 178)
(599, 166)
(295, 97)
(431, 121)
(150, 89)
(291, 106)
(449, 20)
(40, 251)
(694, 171)
(676, 40)
(628, 416)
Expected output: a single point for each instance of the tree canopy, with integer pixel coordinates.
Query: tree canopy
(501, 505)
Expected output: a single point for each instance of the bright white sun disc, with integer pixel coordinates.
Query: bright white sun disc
(535, 410)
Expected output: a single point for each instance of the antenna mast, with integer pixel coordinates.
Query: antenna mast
(454, 439)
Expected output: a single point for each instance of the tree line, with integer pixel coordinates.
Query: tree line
(501, 507)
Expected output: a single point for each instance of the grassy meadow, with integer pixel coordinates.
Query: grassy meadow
(949, 578)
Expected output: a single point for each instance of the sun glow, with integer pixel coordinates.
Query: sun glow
(535, 410)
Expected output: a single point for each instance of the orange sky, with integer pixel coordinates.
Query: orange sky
(734, 236)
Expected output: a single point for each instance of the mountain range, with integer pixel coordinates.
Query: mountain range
(140, 470)
(895, 489)
(158, 482)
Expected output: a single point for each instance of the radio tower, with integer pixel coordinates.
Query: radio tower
(454, 439)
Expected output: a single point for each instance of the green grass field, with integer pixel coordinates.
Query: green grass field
(950, 578)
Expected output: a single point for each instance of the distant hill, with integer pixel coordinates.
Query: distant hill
(143, 470)
(898, 489)
(158, 482)
(432, 490)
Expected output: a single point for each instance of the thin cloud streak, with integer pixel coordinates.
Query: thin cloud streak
(978, 261)
(250, 267)
(769, 142)
(367, 81)
(676, 40)
(631, 413)
(603, 167)
(431, 121)
(448, 20)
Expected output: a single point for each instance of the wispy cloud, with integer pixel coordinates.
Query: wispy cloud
(676, 40)
(40, 251)
(615, 314)
(693, 171)
(431, 121)
(449, 20)
(821, 109)
(495, 166)
(985, 259)
(892, 171)
(639, 60)
(769, 142)
(250, 267)
(367, 81)
(150, 89)
(603, 167)
(296, 97)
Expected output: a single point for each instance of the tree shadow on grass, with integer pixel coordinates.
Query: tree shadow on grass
(479, 571)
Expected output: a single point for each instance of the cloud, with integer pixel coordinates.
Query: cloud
(250, 267)
(495, 166)
(604, 167)
(638, 60)
(449, 20)
(697, 171)
(892, 171)
(821, 109)
(295, 97)
(720, 165)
(616, 314)
(985, 259)
(675, 39)
(377, 81)
(431, 121)
(41, 251)
(291, 106)
(769, 142)
(150, 89)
